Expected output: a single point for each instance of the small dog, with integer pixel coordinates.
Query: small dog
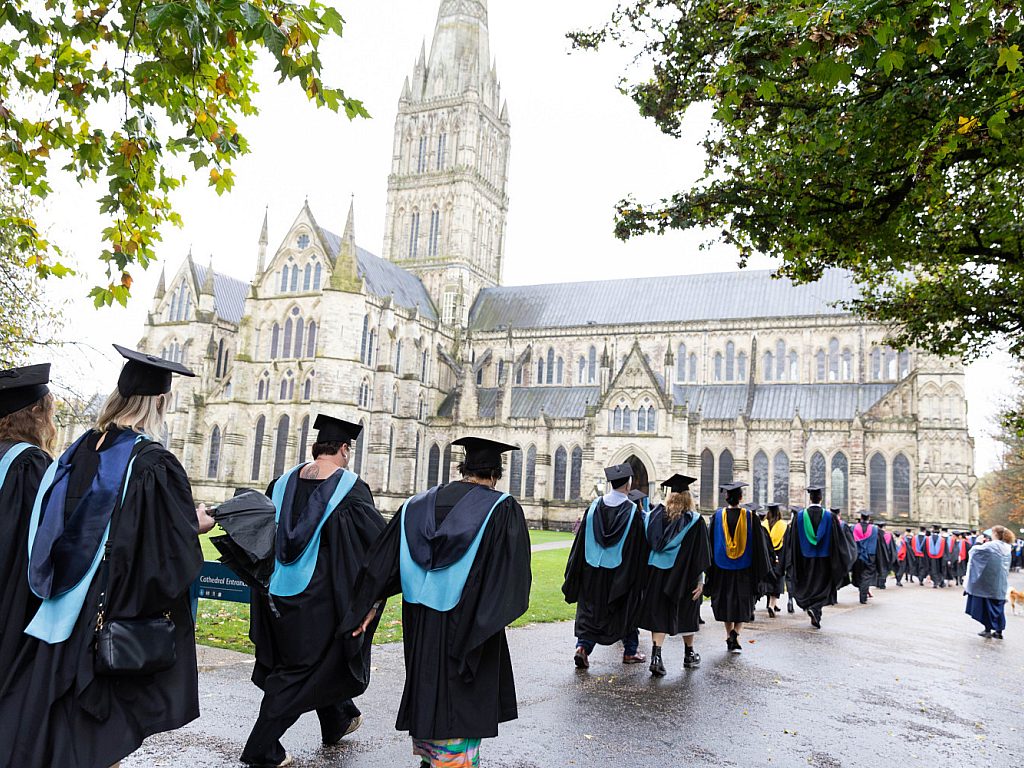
(1016, 598)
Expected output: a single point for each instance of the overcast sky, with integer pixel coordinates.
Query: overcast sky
(578, 146)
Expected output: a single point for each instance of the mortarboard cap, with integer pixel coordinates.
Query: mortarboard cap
(909, 530)
(618, 474)
(774, 508)
(482, 453)
(865, 513)
(796, 510)
(20, 387)
(732, 487)
(679, 483)
(945, 530)
(146, 374)
(332, 430)
(812, 488)
(636, 495)
(835, 510)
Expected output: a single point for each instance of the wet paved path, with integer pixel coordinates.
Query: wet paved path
(551, 545)
(903, 681)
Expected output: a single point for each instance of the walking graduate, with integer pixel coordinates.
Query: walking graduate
(962, 550)
(679, 555)
(605, 572)
(27, 437)
(935, 549)
(460, 556)
(865, 569)
(885, 555)
(776, 527)
(816, 557)
(918, 545)
(739, 564)
(114, 548)
(904, 558)
(326, 524)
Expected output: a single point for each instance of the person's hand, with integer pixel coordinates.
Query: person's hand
(206, 522)
(366, 622)
(698, 592)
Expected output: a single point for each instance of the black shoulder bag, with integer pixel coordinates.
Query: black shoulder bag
(130, 647)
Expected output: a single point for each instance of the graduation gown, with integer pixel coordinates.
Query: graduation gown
(607, 598)
(54, 710)
(17, 603)
(816, 580)
(668, 605)
(459, 682)
(300, 664)
(733, 593)
(885, 558)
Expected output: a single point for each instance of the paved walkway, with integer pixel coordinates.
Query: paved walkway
(551, 545)
(903, 681)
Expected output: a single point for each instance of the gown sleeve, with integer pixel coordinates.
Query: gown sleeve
(574, 565)
(502, 593)
(362, 525)
(379, 577)
(155, 552)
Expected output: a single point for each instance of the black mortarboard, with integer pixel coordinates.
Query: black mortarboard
(936, 529)
(945, 530)
(835, 510)
(482, 453)
(811, 488)
(618, 474)
(332, 430)
(865, 513)
(732, 487)
(20, 387)
(636, 495)
(881, 523)
(773, 508)
(796, 510)
(909, 530)
(146, 374)
(678, 483)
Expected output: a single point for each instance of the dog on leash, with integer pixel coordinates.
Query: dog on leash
(1016, 598)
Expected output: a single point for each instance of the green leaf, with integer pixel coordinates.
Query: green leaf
(1010, 58)
(889, 61)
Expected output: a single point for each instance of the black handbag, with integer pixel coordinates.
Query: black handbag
(131, 647)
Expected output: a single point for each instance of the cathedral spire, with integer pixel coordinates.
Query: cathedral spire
(349, 236)
(161, 286)
(460, 57)
(264, 240)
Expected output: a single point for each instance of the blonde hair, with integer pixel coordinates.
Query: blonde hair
(32, 424)
(676, 504)
(1003, 534)
(139, 413)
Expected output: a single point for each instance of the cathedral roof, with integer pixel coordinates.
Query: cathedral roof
(384, 279)
(677, 298)
(228, 294)
(781, 401)
(529, 402)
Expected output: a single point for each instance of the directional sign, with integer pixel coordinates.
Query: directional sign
(218, 582)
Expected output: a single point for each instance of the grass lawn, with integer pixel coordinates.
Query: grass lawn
(226, 625)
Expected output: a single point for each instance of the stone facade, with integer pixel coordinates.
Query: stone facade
(728, 376)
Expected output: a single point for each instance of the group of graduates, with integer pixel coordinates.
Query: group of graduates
(636, 566)
(938, 556)
(99, 549)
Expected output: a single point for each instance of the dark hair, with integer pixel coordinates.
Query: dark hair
(494, 474)
(640, 478)
(774, 517)
(328, 448)
(733, 497)
(622, 484)
(815, 496)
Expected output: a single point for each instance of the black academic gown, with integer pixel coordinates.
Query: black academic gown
(734, 593)
(885, 556)
(17, 603)
(816, 580)
(607, 598)
(300, 664)
(668, 605)
(54, 710)
(936, 565)
(459, 682)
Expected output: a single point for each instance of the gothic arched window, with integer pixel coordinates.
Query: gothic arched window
(718, 366)
(398, 358)
(214, 462)
(617, 419)
(317, 276)
(592, 365)
(847, 365)
(693, 366)
(559, 370)
(730, 361)
(878, 473)
(294, 281)
(433, 465)
(551, 366)
(904, 361)
(307, 387)
(442, 141)
(275, 341)
(769, 366)
(360, 448)
(530, 472)
(741, 366)
(446, 464)
(307, 277)
(311, 339)
(707, 479)
(300, 331)
(780, 478)
(780, 360)
(515, 472)
(414, 235)
(435, 232)
(641, 419)
(581, 370)
(760, 478)
(833, 360)
(561, 460)
(257, 448)
(364, 394)
(627, 419)
(901, 485)
(540, 370)
(819, 360)
(303, 439)
(840, 474)
(817, 472)
(575, 473)
(281, 445)
(725, 469)
(681, 362)
(286, 348)
(365, 340)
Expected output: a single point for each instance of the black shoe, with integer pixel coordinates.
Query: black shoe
(351, 727)
(998, 635)
(580, 658)
(733, 643)
(657, 665)
(985, 633)
(789, 606)
(815, 618)
(771, 613)
(691, 659)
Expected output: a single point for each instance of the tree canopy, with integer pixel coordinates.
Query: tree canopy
(880, 136)
(113, 92)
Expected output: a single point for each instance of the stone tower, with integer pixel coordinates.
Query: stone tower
(447, 192)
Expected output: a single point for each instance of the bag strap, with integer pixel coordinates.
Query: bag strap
(104, 568)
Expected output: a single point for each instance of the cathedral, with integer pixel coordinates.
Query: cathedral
(728, 376)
